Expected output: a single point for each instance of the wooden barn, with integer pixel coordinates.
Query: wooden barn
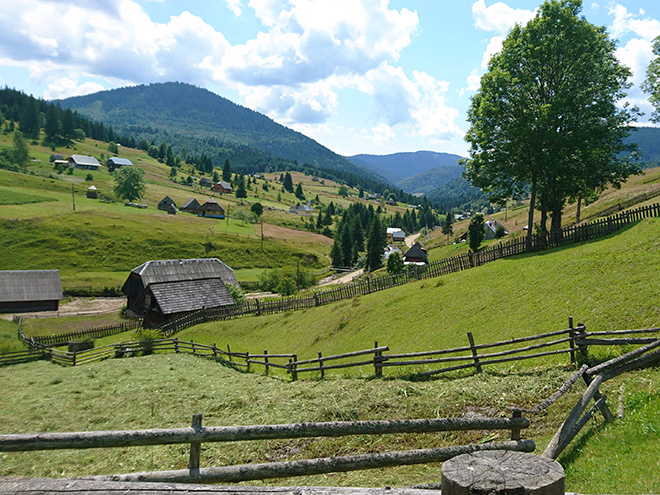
(29, 290)
(416, 255)
(160, 290)
(116, 162)
(167, 204)
(84, 162)
(223, 187)
(191, 206)
(205, 182)
(211, 209)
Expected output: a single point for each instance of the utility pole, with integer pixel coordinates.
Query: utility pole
(73, 198)
(262, 232)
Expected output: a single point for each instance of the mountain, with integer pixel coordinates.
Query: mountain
(203, 122)
(398, 166)
(425, 182)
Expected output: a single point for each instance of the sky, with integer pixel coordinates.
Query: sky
(358, 76)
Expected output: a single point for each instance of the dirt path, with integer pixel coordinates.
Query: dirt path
(412, 239)
(344, 279)
(79, 306)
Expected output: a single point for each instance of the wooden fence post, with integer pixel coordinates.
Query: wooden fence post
(215, 351)
(474, 352)
(294, 371)
(195, 447)
(584, 350)
(378, 367)
(176, 345)
(321, 365)
(229, 352)
(515, 432)
(247, 361)
(572, 341)
(266, 360)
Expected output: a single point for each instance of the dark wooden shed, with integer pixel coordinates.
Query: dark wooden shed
(191, 206)
(152, 287)
(167, 204)
(416, 254)
(29, 290)
(212, 209)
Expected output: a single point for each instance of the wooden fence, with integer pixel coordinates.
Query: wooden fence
(197, 434)
(568, 235)
(625, 204)
(573, 340)
(40, 341)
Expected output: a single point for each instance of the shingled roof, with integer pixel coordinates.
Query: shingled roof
(158, 271)
(30, 285)
(190, 295)
(416, 252)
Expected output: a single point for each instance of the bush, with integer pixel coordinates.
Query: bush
(89, 177)
(287, 286)
(270, 280)
(236, 292)
(500, 231)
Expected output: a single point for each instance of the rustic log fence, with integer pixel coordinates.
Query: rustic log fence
(198, 434)
(566, 236)
(39, 341)
(625, 204)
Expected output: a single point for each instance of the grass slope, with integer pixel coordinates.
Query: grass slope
(607, 284)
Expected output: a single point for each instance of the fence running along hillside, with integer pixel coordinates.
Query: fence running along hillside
(197, 434)
(39, 341)
(625, 204)
(566, 236)
(574, 341)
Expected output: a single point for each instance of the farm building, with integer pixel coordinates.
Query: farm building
(56, 157)
(92, 192)
(191, 206)
(395, 234)
(303, 210)
(116, 162)
(205, 182)
(211, 209)
(491, 227)
(84, 162)
(223, 187)
(416, 255)
(163, 289)
(167, 204)
(29, 290)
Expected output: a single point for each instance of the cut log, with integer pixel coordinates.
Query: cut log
(500, 472)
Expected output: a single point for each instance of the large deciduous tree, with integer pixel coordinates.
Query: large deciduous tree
(129, 183)
(546, 118)
(652, 82)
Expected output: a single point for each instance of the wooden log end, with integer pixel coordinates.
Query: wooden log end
(502, 472)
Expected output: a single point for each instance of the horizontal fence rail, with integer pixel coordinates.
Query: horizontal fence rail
(197, 434)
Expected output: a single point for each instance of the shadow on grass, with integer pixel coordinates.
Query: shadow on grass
(572, 454)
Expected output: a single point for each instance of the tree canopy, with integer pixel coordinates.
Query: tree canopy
(129, 183)
(652, 82)
(545, 119)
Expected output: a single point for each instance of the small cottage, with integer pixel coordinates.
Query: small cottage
(167, 204)
(211, 209)
(84, 162)
(56, 157)
(391, 202)
(302, 210)
(416, 255)
(491, 227)
(161, 290)
(116, 162)
(29, 290)
(92, 192)
(205, 182)
(191, 206)
(223, 187)
(395, 234)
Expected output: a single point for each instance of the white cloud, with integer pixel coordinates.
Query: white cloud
(494, 46)
(625, 22)
(499, 17)
(65, 88)
(236, 6)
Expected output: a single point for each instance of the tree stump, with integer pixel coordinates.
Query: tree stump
(502, 472)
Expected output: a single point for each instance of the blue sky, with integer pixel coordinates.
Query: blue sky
(359, 76)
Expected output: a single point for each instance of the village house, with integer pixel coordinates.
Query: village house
(395, 234)
(416, 255)
(116, 162)
(491, 227)
(205, 182)
(211, 209)
(84, 162)
(161, 290)
(391, 202)
(191, 206)
(302, 210)
(223, 187)
(29, 290)
(167, 204)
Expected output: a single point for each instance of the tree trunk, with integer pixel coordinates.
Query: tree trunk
(579, 206)
(530, 216)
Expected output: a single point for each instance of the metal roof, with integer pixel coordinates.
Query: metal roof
(85, 160)
(158, 271)
(115, 160)
(191, 295)
(30, 285)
